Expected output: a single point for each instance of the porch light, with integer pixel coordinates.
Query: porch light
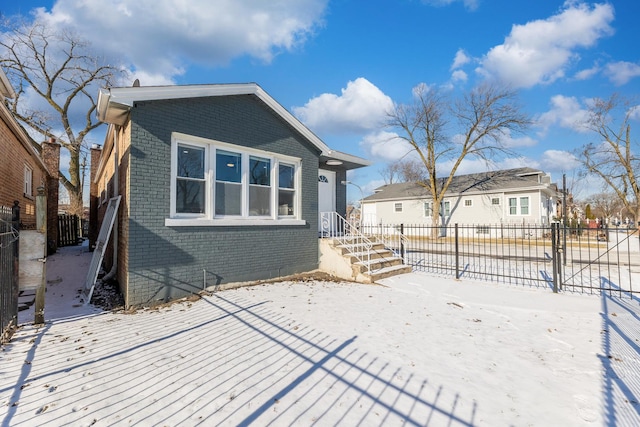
(334, 162)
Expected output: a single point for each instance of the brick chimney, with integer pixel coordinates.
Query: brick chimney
(51, 159)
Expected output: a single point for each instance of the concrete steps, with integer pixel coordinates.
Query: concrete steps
(368, 262)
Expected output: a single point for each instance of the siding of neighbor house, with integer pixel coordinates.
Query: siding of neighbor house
(159, 262)
(481, 211)
(471, 203)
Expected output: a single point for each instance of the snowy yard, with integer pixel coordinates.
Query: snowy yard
(416, 350)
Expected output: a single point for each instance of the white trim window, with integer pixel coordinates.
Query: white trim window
(468, 203)
(397, 207)
(216, 183)
(519, 205)
(495, 201)
(447, 209)
(28, 181)
(428, 209)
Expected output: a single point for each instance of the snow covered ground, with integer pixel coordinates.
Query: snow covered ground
(415, 350)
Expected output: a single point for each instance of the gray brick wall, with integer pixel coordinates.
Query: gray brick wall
(168, 262)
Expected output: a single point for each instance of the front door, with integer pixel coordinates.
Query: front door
(326, 194)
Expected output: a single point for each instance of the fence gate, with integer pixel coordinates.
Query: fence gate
(69, 232)
(602, 260)
(8, 275)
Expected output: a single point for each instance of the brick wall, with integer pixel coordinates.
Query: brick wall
(12, 166)
(168, 262)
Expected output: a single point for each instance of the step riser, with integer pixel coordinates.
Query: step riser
(379, 265)
(344, 250)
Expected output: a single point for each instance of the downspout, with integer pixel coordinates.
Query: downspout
(116, 188)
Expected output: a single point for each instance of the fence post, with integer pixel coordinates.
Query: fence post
(41, 225)
(402, 248)
(554, 254)
(457, 253)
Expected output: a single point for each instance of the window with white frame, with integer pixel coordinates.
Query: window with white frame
(397, 207)
(495, 201)
(28, 181)
(524, 205)
(220, 181)
(468, 203)
(428, 209)
(447, 209)
(519, 205)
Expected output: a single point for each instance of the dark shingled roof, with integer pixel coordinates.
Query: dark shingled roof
(502, 180)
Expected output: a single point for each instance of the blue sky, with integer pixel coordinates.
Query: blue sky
(338, 65)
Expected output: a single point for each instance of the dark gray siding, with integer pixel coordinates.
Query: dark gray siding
(168, 262)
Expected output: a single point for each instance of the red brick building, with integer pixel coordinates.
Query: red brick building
(22, 169)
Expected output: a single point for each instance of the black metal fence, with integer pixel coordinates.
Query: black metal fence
(8, 275)
(552, 256)
(69, 230)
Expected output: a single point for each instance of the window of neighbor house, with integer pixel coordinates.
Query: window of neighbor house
(221, 182)
(468, 203)
(428, 209)
(524, 206)
(522, 203)
(28, 181)
(397, 207)
(447, 209)
(495, 201)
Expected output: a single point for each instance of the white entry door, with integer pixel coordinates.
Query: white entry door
(326, 194)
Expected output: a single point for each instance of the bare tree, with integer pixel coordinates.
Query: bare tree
(59, 68)
(615, 157)
(605, 205)
(481, 119)
(404, 170)
(390, 173)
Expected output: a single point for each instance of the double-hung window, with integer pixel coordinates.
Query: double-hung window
(190, 180)
(216, 183)
(519, 205)
(28, 181)
(428, 209)
(228, 188)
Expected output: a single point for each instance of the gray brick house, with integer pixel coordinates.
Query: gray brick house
(220, 184)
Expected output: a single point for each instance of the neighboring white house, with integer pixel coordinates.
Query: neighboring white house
(513, 196)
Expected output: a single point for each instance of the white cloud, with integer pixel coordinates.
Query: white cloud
(566, 112)
(511, 142)
(468, 4)
(587, 73)
(157, 37)
(634, 112)
(558, 161)
(361, 107)
(459, 76)
(540, 51)
(385, 146)
(460, 59)
(621, 72)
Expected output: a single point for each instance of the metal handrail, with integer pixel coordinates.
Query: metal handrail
(333, 225)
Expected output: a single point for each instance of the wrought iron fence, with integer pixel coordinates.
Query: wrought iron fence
(8, 274)
(552, 256)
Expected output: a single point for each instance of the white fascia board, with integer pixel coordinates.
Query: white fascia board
(5, 86)
(119, 97)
